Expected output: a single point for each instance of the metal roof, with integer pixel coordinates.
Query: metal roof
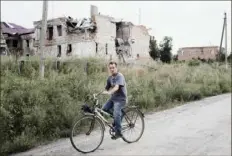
(14, 29)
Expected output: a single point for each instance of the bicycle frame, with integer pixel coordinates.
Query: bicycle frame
(97, 113)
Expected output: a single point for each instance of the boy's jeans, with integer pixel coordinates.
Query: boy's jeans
(117, 112)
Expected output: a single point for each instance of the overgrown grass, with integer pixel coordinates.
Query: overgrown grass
(33, 111)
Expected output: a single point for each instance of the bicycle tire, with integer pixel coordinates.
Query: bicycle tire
(95, 119)
(142, 120)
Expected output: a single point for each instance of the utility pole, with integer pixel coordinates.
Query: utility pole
(139, 16)
(225, 40)
(42, 36)
(223, 28)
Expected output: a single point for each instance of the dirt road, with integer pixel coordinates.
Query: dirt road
(197, 128)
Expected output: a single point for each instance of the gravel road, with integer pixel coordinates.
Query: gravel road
(196, 128)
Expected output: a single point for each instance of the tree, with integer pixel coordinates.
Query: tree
(154, 50)
(165, 50)
(229, 58)
(220, 57)
(175, 57)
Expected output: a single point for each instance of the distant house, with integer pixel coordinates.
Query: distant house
(207, 52)
(17, 39)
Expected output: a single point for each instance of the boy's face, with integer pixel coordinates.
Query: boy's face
(113, 69)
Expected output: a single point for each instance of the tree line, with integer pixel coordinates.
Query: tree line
(163, 51)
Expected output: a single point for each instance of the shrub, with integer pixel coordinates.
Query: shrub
(194, 63)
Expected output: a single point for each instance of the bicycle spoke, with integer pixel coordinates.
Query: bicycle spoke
(136, 118)
(87, 134)
(125, 129)
(134, 126)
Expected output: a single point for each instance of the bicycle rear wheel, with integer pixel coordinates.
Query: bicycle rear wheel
(132, 123)
(87, 134)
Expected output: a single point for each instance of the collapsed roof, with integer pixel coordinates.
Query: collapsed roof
(80, 25)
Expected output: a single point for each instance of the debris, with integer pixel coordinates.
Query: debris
(70, 22)
(119, 42)
(82, 24)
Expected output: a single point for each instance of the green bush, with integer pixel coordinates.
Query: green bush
(33, 111)
(194, 63)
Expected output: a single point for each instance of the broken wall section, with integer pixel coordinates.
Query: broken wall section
(60, 42)
(28, 44)
(124, 40)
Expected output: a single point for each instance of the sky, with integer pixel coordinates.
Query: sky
(189, 23)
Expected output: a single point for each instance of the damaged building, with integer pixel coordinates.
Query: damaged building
(16, 39)
(97, 36)
(132, 40)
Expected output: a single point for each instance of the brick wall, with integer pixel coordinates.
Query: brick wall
(189, 53)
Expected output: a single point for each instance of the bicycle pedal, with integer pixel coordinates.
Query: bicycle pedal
(100, 149)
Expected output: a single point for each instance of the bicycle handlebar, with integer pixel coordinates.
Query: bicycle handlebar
(95, 95)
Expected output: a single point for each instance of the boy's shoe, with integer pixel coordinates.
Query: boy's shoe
(116, 136)
(113, 125)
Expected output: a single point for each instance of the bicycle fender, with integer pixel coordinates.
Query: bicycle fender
(135, 107)
(141, 113)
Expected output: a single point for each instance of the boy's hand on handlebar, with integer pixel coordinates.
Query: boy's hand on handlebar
(106, 92)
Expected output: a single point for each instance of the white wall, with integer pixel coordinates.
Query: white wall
(141, 45)
(106, 33)
(79, 49)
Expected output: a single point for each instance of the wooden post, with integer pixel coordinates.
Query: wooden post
(42, 36)
(225, 40)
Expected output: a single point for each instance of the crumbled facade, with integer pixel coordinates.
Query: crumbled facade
(66, 38)
(207, 52)
(98, 36)
(16, 39)
(3, 45)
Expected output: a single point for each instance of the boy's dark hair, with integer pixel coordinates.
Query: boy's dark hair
(113, 62)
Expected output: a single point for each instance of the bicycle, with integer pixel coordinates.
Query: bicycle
(96, 116)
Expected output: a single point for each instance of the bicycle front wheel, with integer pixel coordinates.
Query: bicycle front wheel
(87, 134)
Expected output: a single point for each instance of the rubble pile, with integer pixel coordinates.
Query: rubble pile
(80, 25)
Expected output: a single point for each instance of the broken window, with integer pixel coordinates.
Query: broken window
(202, 51)
(137, 55)
(96, 47)
(50, 33)
(59, 51)
(69, 49)
(211, 52)
(27, 43)
(59, 30)
(182, 52)
(15, 43)
(106, 49)
(8, 43)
